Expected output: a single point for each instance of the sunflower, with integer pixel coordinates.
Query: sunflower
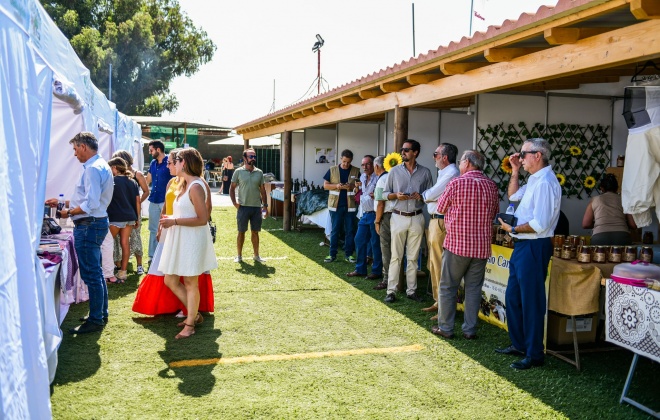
(506, 165)
(392, 160)
(575, 151)
(561, 178)
(589, 182)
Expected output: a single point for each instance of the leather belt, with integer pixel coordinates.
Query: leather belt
(518, 239)
(367, 212)
(76, 222)
(407, 214)
(437, 216)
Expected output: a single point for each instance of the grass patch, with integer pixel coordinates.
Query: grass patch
(299, 304)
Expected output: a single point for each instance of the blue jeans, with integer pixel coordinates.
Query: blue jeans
(154, 219)
(88, 237)
(366, 235)
(339, 217)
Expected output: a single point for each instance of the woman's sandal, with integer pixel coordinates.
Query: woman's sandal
(198, 320)
(181, 336)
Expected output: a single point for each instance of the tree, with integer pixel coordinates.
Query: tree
(148, 43)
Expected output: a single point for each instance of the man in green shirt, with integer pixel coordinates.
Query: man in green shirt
(251, 198)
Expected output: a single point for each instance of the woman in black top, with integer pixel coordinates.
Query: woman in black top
(123, 210)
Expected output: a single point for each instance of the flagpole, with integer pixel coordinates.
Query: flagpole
(471, 14)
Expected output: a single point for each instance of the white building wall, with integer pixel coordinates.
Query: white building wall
(361, 138)
(317, 138)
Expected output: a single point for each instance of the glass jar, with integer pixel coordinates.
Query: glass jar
(620, 160)
(558, 240)
(629, 254)
(615, 254)
(585, 255)
(599, 254)
(566, 252)
(573, 240)
(646, 254)
(647, 238)
(500, 236)
(557, 252)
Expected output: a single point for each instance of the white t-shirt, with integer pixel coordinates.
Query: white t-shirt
(378, 193)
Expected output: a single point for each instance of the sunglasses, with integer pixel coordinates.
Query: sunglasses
(405, 149)
(436, 154)
(526, 152)
(251, 156)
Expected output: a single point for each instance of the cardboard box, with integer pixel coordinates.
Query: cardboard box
(560, 328)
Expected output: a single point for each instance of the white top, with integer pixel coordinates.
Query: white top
(432, 194)
(380, 188)
(540, 200)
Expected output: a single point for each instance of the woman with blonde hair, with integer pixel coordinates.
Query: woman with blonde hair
(227, 173)
(123, 210)
(188, 247)
(153, 296)
(135, 240)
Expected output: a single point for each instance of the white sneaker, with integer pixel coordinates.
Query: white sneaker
(259, 259)
(238, 259)
(140, 270)
(180, 315)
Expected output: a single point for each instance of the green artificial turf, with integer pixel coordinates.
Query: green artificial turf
(297, 304)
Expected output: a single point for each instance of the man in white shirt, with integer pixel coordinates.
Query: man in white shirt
(445, 161)
(537, 214)
(383, 215)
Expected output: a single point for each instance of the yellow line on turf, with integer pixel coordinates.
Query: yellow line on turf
(298, 356)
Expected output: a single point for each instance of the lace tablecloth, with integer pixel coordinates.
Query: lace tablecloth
(633, 318)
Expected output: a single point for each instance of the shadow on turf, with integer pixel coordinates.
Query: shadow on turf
(194, 381)
(257, 270)
(559, 385)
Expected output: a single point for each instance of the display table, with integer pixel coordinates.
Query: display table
(633, 322)
(275, 198)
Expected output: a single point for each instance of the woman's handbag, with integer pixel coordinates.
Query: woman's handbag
(213, 229)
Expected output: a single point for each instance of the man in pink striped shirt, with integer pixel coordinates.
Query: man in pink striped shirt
(469, 204)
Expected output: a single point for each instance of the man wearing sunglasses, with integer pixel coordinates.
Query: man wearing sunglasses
(158, 176)
(251, 198)
(405, 185)
(537, 214)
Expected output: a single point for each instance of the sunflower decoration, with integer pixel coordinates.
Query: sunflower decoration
(589, 182)
(392, 160)
(506, 165)
(575, 151)
(561, 178)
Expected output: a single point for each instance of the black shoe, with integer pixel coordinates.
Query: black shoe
(526, 363)
(510, 350)
(86, 317)
(415, 297)
(469, 336)
(86, 327)
(437, 331)
(390, 298)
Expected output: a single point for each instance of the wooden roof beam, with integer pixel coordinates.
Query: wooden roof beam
(348, 100)
(544, 86)
(297, 115)
(451, 69)
(333, 104)
(319, 108)
(369, 94)
(287, 118)
(393, 87)
(422, 79)
(560, 36)
(645, 9)
(308, 112)
(500, 55)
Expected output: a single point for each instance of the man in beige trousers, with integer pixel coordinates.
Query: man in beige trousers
(445, 161)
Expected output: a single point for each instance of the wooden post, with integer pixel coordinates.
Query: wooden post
(286, 152)
(246, 143)
(400, 127)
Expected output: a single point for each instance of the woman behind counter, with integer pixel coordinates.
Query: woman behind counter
(604, 214)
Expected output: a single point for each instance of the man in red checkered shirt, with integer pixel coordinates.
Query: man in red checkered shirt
(469, 203)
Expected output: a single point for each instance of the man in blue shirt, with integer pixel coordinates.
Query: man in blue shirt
(88, 210)
(158, 177)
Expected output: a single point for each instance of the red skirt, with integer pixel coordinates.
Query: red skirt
(155, 298)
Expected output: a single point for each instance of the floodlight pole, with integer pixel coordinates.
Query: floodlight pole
(471, 15)
(318, 77)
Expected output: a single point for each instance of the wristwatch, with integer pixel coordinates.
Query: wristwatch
(264, 205)
(513, 230)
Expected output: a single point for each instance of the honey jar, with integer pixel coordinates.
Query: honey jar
(599, 255)
(646, 254)
(557, 252)
(558, 240)
(566, 252)
(585, 255)
(615, 254)
(629, 254)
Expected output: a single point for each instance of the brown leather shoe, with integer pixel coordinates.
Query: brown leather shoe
(433, 308)
(437, 331)
(434, 318)
(355, 274)
(469, 336)
(373, 276)
(381, 286)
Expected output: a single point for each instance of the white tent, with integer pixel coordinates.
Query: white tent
(238, 140)
(46, 98)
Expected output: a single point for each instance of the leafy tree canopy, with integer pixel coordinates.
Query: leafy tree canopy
(148, 43)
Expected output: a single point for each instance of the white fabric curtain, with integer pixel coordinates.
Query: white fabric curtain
(25, 98)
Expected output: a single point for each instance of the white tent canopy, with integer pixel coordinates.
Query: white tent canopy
(238, 141)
